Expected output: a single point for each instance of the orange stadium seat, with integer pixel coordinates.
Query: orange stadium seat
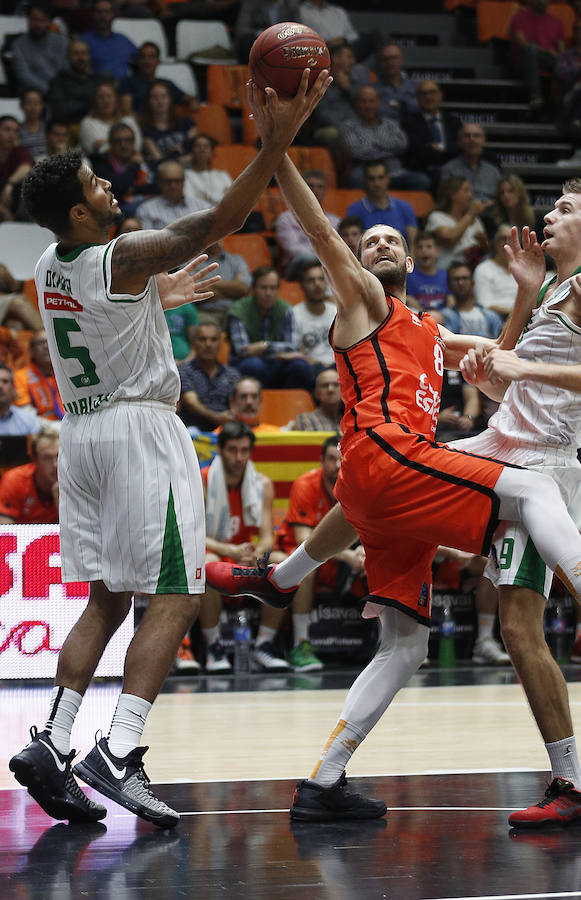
(337, 200)
(314, 158)
(249, 129)
(493, 19)
(29, 291)
(227, 85)
(233, 158)
(291, 292)
(270, 205)
(213, 120)
(282, 406)
(252, 247)
(421, 202)
(224, 352)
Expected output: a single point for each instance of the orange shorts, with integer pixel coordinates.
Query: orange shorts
(405, 495)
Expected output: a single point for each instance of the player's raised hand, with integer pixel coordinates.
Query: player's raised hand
(526, 261)
(183, 286)
(278, 120)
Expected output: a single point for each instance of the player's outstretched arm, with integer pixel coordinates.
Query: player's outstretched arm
(141, 254)
(349, 281)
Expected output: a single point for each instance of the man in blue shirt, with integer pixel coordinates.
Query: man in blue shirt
(427, 286)
(13, 421)
(111, 53)
(206, 383)
(378, 208)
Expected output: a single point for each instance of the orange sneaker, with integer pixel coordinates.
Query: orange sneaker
(185, 660)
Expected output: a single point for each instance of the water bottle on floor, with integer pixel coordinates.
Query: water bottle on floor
(242, 644)
(446, 647)
(558, 635)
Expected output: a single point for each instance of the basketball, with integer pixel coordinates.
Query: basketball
(281, 53)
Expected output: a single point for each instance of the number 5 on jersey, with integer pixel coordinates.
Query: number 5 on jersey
(62, 327)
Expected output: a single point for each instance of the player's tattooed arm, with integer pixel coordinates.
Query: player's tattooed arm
(140, 254)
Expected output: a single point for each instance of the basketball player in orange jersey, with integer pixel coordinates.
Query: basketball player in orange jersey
(402, 493)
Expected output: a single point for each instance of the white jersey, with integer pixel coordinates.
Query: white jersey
(542, 416)
(104, 347)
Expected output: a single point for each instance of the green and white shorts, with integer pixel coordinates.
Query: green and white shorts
(514, 559)
(131, 500)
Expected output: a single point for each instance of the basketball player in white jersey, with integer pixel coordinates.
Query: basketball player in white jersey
(323, 796)
(131, 502)
(538, 425)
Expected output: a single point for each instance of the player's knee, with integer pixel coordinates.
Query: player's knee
(520, 614)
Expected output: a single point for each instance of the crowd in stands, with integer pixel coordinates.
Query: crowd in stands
(82, 83)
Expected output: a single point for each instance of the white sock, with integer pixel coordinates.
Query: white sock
(211, 635)
(342, 744)
(403, 648)
(127, 724)
(300, 627)
(291, 571)
(265, 635)
(565, 761)
(485, 626)
(64, 706)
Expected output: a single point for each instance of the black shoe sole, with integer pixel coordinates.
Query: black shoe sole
(27, 775)
(307, 814)
(113, 793)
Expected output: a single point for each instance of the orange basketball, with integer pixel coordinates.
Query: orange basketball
(281, 53)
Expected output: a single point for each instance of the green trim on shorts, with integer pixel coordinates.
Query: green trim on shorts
(532, 570)
(172, 573)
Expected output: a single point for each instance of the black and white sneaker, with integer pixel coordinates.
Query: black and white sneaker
(47, 775)
(313, 803)
(123, 780)
(264, 659)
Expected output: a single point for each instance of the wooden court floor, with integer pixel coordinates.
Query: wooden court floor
(454, 754)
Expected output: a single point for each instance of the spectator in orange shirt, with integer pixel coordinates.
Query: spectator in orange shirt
(35, 384)
(29, 493)
(311, 497)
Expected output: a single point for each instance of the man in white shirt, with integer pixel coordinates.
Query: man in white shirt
(204, 183)
(314, 318)
(172, 203)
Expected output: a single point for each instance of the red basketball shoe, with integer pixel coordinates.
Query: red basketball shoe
(561, 806)
(237, 581)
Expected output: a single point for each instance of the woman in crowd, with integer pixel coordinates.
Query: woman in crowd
(511, 204)
(166, 134)
(456, 223)
(202, 181)
(494, 286)
(105, 111)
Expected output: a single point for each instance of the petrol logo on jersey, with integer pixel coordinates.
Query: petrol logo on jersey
(61, 303)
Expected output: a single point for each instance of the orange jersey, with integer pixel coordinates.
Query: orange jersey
(394, 375)
(19, 498)
(308, 503)
(240, 533)
(38, 390)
